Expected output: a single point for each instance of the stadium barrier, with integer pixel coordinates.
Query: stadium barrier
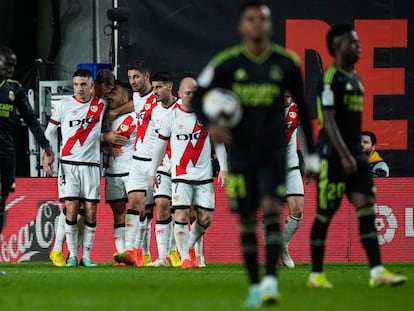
(33, 210)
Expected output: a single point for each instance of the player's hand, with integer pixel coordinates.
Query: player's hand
(222, 178)
(349, 164)
(219, 134)
(153, 183)
(312, 165)
(115, 138)
(48, 159)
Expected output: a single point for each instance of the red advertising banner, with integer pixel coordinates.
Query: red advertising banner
(33, 210)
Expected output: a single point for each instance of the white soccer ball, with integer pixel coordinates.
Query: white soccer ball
(223, 107)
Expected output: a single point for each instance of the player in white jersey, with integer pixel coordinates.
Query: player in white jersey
(191, 172)
(140, 201)
(103, 84)
(80, 118)
(294, 182)
(162, 83)
(118, 162)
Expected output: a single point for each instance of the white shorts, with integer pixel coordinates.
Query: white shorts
(184, 195)
(164, 186)
(79, 182)
(115, 188)
(138, 179)
(294, 182)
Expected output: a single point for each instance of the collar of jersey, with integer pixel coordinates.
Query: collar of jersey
(257, 59)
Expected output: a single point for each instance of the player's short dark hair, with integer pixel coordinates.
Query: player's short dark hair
(371, 135)
(249, 4)
(5, 50)
(125, 86)
(336, 31)
(83, 72)
(105, 77)
(139, 65)
(162, 76)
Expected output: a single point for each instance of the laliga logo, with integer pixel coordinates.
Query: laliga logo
(386, 223)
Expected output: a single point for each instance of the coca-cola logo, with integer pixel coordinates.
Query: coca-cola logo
(32, 240)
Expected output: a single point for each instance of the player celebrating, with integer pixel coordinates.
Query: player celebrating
(258, 72)
(344, 167)
(192, 180)
(162, 83)
(13, 97)
(80, 118)
(140, 205)
(119, 161)
(294, 183)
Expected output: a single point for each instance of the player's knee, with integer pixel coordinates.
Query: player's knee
(205, 218)
(271, 205)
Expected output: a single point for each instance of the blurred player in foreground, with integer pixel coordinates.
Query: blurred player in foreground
(259, 72)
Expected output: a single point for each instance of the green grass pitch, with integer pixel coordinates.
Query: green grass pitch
(41, 286)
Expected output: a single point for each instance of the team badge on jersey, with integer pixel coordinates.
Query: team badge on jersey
(94, 108)
(124, 127)
(240, 75)
(275, 73)
(147, 106)
(348, 87)
(293, 114)
(12, 97)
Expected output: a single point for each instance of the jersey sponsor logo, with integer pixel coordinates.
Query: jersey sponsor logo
(5, 110)
(91, 119)
(354, 102)
(257, 94)
(192, 151)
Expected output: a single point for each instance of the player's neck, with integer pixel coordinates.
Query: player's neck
(340, 64)
(146, 90)
(171, 100)
(256, 48)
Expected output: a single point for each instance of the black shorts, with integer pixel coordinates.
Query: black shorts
(334, 182)
(248, 183)
(7, 175)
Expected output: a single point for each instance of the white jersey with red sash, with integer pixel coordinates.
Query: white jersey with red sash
(125, 125)
(190, 146)
(80, 124)
(146, 133)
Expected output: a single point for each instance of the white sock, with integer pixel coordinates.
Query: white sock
(198, 246)
(162, 234)
(142, 229)
(72, 235)
(197, 231)
(171, 241)
(88, 238)
(119, 237)
(131, 229)
(376, 270)
(181, 234)
(60, 233)
(291, 226)
(81, 228)
(147, 237)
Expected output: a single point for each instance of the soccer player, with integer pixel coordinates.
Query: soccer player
(80, 118)
(259, 72)
(140, 200)
(13, 98)
(103, 84)
(119, 161)
(344, 167)
(294, 183)
(162, 83)
(378, 167)
(191, 172)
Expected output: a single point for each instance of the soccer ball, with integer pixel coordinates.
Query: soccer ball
(223, 107)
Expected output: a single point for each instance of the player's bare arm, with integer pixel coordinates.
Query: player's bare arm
(347, 160)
